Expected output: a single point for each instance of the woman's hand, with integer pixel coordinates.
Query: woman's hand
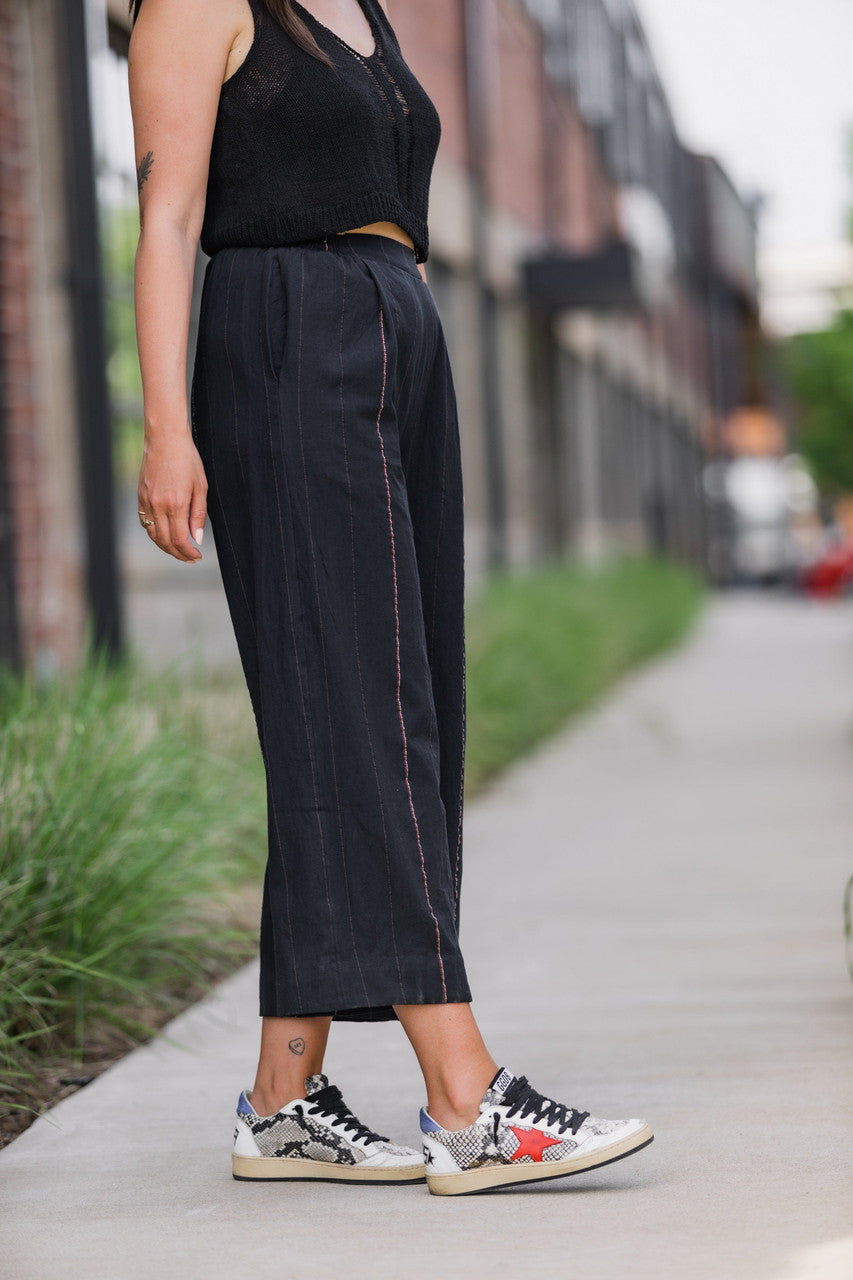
(173, 493)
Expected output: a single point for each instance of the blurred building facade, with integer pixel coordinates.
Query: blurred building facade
(58, 569)
(596, 281)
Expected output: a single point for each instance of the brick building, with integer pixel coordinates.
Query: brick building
(596, 281)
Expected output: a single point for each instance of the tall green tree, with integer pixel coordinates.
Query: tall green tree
(820, 368)
(820, 371)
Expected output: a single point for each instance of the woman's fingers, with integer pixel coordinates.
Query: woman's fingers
(173, 493)
(170, 531)
(179, 544)
(198, 514)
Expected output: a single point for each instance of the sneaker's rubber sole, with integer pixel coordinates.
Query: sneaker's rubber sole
(491, 1177)
(295, 1169)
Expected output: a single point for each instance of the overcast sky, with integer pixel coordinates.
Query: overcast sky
(767, 87)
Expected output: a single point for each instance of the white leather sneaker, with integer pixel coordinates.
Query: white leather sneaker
(521, 1136)
(317, 1139)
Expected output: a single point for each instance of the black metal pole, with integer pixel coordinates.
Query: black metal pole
(86, 296)
(10, 639)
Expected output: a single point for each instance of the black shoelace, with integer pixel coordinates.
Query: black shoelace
(329, 1102)
(522, 1100)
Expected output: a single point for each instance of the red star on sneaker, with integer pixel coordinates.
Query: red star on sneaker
(532, 1142)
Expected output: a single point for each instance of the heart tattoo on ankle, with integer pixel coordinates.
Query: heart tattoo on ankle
(297, 1046)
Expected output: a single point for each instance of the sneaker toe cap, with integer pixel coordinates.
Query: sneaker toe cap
(599, 1131)
(391, 1155)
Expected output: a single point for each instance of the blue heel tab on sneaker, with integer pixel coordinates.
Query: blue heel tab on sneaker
(428, 1125)
(244, 1107)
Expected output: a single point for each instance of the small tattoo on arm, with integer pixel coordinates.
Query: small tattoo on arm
(297, 1046)
(143, 169)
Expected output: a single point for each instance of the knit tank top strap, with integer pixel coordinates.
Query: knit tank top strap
(378, 17)
(381, 17)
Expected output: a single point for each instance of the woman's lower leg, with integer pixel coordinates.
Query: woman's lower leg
(456, 1064)
(291, 1050)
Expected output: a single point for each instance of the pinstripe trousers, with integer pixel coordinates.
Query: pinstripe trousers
(324, 412)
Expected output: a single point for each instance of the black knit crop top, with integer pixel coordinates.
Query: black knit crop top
(300, 149)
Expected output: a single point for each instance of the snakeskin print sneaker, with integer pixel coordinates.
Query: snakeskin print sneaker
(317, 1139)
(520, 1136)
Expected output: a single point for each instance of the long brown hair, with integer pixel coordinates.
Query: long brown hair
(281, 11)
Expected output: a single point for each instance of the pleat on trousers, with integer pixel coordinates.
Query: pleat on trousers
(324, 411)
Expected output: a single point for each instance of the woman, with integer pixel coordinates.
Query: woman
(296, 146)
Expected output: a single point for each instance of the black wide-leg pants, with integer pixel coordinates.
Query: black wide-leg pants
(324, 412)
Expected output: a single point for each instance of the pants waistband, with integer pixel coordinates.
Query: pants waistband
(366, 244)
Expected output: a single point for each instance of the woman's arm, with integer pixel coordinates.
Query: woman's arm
(176, 63)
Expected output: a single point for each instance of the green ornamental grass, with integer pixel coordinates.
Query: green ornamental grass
(118, 829)
(543, 645)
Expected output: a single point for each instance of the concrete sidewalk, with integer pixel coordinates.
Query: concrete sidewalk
(652, 923)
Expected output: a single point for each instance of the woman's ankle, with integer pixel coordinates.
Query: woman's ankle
(291, 1050)
(267, 1099)
(456, 1065)
(454, 1101)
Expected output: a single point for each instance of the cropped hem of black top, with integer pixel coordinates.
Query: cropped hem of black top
(287, 227)
(301, 149)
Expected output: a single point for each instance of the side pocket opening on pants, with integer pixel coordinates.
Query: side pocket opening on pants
(274, 313)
